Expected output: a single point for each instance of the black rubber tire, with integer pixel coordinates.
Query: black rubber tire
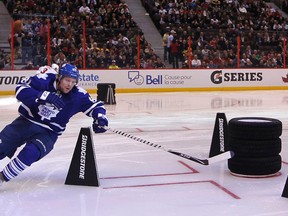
(255, 128)
(255, 148)
(255, 166)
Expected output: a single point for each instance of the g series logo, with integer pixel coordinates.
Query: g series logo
(217, 77)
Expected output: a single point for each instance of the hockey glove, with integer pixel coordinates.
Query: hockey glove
(100, 123)
(51, 98)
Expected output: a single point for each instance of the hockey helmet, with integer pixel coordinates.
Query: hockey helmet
(68, 70)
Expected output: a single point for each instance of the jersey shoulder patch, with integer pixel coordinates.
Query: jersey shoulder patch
(45, 71)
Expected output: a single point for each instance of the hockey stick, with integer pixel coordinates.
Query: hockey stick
(224, 156)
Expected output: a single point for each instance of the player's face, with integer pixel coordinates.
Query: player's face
(66, 84)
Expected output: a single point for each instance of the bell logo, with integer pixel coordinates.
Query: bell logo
(154, 80)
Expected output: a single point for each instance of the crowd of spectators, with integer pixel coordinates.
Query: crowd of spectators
(196, 33)
(212, 27)
(111, 34)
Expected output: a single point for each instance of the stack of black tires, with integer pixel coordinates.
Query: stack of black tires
(256, 143)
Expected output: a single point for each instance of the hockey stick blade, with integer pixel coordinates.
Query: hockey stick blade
(221, 157)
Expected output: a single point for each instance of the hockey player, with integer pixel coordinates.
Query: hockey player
(48, 100)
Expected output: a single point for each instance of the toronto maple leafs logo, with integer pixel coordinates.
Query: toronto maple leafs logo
(47, 112)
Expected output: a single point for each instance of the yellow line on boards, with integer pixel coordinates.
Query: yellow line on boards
(199, 89)
(138, 90)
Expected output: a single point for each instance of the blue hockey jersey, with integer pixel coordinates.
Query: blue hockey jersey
(45, 115)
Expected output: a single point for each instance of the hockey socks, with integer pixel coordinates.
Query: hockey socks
(13, 168)
(28, 155)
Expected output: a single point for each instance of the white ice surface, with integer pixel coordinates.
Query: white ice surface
(136, 179)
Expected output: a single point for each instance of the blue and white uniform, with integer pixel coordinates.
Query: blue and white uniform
(77, 100)
(44, 113)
